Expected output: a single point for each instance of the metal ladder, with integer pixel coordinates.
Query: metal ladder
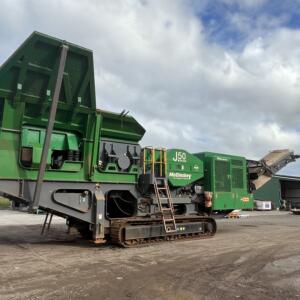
(162, 192)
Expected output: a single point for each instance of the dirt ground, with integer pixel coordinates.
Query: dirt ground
(250, 258)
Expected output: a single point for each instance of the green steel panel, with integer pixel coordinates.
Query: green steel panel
(120, 126)
(183, 168)
(34, 137)
(237, 162)
(27, 81)
(117, 128)
(226, 176)
(29, 74)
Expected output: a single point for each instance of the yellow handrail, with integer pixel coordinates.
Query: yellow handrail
(152, 159)
(162, 161)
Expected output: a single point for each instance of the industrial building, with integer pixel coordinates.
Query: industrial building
(283, 191)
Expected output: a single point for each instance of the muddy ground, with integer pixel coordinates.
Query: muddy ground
(250, 258)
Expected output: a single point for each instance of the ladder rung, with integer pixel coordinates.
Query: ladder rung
(166, 209)
(161, 188)
(169, 219)
(171, 230)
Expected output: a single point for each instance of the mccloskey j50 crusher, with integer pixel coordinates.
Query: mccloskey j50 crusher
(61, 154)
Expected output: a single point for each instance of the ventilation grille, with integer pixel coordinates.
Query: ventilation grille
(237, 178)
(237, 162)
(222, 172)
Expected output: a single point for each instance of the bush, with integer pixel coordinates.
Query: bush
(4, 203)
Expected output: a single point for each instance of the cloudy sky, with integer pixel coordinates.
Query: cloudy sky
(219, 75)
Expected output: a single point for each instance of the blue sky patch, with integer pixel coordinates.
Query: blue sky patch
(233, 23)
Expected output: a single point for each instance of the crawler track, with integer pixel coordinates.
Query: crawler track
(153, 230)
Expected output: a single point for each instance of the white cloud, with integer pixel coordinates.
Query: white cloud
(153, 58)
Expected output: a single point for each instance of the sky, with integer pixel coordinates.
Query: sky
(210, 75)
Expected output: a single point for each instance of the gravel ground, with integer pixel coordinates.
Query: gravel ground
(254, 257)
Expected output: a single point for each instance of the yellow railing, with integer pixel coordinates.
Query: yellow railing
(149, 158)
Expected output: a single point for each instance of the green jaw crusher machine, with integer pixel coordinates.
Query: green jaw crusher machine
(61, 154)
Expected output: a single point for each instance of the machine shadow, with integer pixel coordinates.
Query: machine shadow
(24, 236)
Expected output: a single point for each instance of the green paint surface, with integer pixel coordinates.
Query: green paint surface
(226, 176)
(27, 81)
(183, 167)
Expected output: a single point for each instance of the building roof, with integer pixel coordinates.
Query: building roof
(287, 177)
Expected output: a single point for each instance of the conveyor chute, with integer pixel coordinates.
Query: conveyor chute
(260, 172)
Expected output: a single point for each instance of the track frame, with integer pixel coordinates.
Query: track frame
(142, 232)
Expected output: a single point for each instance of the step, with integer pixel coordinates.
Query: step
(169, 220)
(163, 198)
(171, 230)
